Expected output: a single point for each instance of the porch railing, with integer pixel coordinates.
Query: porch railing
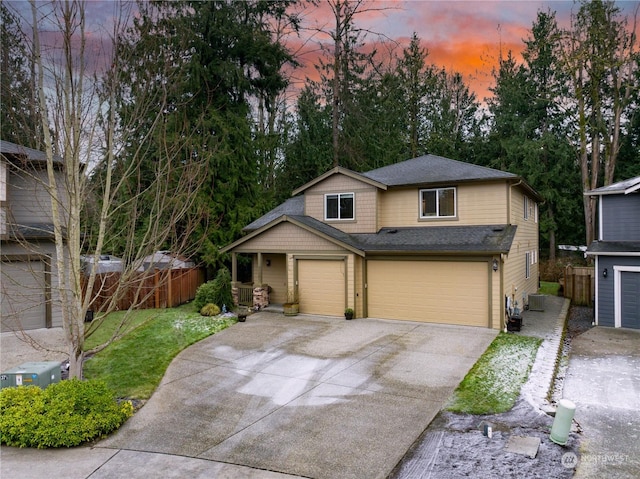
(245, 294)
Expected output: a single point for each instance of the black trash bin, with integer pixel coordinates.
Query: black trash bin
(515, 322)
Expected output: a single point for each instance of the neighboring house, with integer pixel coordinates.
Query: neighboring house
(428, 239)
(106, 264)
(28, 252)
(165, 260)
(617, 254)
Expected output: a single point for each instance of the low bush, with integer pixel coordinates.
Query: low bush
(217, 291)
(210, 310)
(65, 414)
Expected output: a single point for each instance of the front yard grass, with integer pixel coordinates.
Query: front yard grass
(493, 383)
(133, 366)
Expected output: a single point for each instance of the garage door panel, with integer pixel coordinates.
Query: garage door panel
(429, 291)
(23, 295)
(321, 287)
(630, 302)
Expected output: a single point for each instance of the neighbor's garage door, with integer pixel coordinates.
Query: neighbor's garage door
(429, 291)
(23, 295)
(630, 299)
(321, 287)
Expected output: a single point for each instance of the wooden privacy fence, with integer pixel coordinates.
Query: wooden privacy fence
(166, 288)
(580, 285)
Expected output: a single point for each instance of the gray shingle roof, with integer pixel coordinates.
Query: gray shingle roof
(426, 239)
(613, 247)
(621, 187)
(292, 207)
(12, 149)
(432, 169)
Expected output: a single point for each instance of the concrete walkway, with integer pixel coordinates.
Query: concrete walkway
(603, 380)
(281, 397)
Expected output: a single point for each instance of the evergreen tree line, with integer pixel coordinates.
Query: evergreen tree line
(566, 117)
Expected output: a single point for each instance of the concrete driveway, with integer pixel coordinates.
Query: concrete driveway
(603, 379)
(307, 396)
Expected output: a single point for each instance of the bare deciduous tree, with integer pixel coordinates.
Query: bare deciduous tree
(79, 121)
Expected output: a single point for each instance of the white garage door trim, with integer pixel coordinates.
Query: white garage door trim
(462, 299)
(617, 290)
(322, 285)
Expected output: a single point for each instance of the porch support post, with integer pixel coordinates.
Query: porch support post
(259, 270)
(234, 267)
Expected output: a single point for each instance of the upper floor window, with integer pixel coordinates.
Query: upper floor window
(530, 209)
(438, 203)
(339, 206)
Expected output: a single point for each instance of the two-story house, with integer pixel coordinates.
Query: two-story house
(428, 239)
(27, 250)
(617, 254)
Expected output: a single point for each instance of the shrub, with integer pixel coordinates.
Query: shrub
(210, 309)
(65, 414)
(217, 291)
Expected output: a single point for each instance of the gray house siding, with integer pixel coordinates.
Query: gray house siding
(606, 289)
(620, 217)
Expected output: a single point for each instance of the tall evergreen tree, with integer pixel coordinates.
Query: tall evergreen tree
(225, 61)
(19, 115)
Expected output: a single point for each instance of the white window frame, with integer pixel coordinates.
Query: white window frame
(526, 207)
(339, 197)
(437, 215)
(527, 265)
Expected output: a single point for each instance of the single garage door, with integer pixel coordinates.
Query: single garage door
(630, 299)
(23, 295)
(430, 291)
(321, 287)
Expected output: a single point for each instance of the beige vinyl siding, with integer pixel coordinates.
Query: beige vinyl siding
(275, 275)
(283, 238)
(365, 203)
(477, 204)
(451, 292)
(525, 241)
(358, 302)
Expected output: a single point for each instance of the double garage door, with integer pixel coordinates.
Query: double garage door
(23, 289)
(430, 291)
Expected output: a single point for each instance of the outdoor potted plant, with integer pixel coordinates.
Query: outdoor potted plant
(291, 307)
(348, 313)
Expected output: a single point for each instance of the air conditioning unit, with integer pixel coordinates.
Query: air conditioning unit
(536, 302)
(31, 374)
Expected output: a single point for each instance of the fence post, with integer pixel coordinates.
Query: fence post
(169, 291)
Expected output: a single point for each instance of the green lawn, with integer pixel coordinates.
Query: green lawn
(134, 365)
(549, 288)
(493, 384)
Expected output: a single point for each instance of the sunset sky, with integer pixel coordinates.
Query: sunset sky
(463, 36)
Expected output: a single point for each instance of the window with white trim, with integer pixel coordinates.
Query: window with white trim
(438, 203)
(339, 206)
(526, 207)
(527, 265)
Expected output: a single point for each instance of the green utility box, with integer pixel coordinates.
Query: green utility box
(31, 374)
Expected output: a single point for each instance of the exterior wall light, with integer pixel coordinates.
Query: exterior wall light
(605, 273)
(495, 265)
(268, 262)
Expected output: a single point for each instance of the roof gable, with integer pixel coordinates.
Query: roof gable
(338, 170)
